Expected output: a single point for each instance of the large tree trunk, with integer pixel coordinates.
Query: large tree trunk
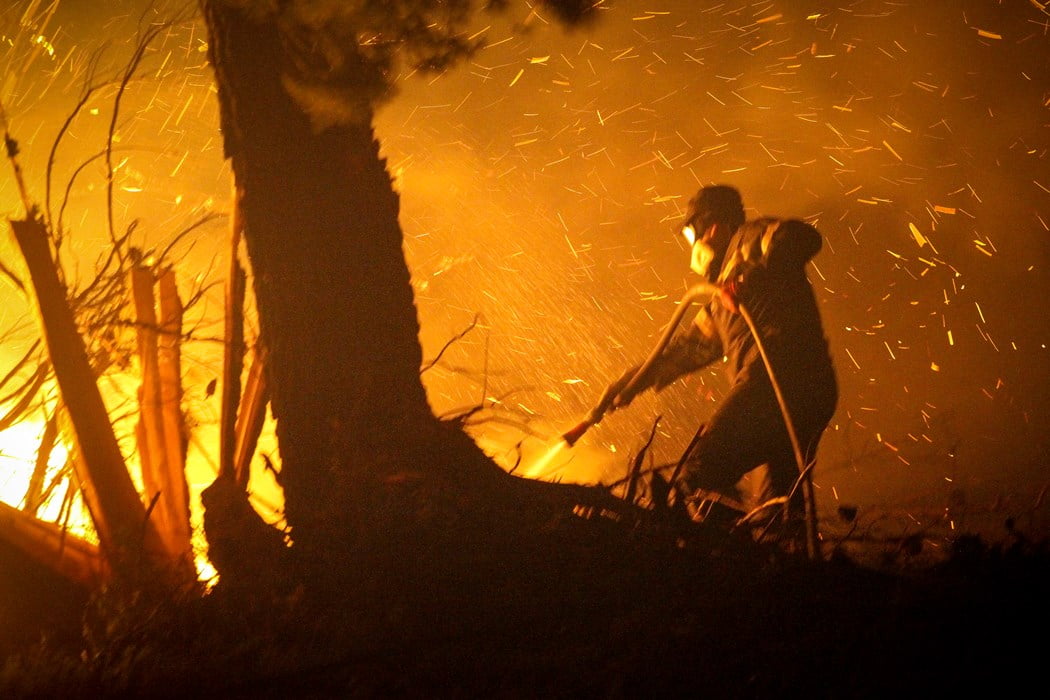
(333, 292)
(380, 496)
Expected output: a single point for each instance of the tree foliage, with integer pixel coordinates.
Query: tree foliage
(347, 55)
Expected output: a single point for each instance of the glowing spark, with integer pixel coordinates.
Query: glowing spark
(919, 238)
(183, 112)
(179, 166)
(571, 247)
(41, 40)
(890, 148)
(517, 77)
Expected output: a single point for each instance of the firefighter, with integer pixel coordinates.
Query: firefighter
(743, 454)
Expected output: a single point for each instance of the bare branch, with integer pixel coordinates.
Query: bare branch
(140, 51)
(15, 279)
(88, 90)
(456, 338)
(26, 393)
(206, 219)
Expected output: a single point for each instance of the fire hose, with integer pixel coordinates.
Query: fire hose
(693, 295)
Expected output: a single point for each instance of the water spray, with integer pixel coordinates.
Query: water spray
(609, 402)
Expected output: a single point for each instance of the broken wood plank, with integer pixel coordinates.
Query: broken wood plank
(163, 472)
(110, 495)
(150, 430)
(251, 415)
(176, 496)
(233, 351)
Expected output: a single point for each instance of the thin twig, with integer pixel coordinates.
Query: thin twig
(85, 95)
(636, 467)
(12, 155)
(133, 64)
(456, 338)
(21, 363)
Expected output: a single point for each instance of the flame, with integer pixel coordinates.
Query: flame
(19, 446)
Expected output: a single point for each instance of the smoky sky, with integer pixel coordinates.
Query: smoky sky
(912, 134)
(543, 180)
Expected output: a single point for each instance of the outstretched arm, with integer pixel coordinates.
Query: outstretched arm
(692, 348)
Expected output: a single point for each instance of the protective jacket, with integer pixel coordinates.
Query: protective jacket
(765, 264)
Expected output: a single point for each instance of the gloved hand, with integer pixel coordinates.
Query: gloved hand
(730, 294)
(614, 396)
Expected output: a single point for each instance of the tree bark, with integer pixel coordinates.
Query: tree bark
(336, 310)
(377, 490)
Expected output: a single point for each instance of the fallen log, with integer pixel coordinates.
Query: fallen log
(64, 553)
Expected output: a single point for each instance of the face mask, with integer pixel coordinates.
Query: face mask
(703, 256)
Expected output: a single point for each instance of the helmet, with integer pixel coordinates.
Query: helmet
(716, 204)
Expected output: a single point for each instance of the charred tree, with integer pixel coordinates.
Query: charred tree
(335, 303)
(336, 308)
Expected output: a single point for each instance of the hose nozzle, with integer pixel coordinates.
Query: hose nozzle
(572, 436)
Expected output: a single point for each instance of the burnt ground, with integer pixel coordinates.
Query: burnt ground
(581, 610)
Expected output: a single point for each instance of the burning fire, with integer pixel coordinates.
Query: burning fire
(19, 446)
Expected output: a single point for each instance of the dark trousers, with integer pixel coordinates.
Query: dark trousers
(744, 451)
